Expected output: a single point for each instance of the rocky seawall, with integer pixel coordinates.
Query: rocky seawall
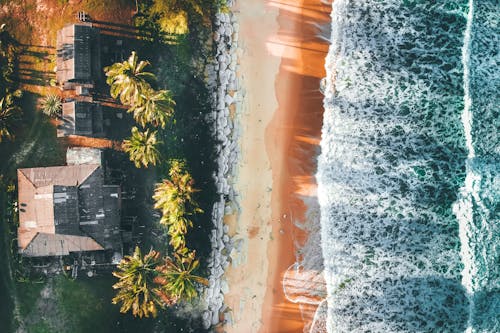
(223, 83)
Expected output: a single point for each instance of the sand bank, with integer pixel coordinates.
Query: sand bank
(281, 64)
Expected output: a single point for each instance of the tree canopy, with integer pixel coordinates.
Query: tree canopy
(153, 107)
(174, 198)
(148, 282)
(128, 79)
(142, 147)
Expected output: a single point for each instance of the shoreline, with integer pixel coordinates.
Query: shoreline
(293, 138)
(281, 65)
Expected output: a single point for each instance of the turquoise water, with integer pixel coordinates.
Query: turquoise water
(408, 175)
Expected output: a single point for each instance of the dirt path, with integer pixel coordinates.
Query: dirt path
(83, 141)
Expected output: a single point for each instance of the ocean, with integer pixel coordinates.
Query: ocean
(408, 175)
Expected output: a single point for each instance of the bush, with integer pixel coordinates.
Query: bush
(52, 105)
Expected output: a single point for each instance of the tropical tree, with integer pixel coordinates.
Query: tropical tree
(9, 115)
(154, 107)
(173, 14)
(142, 147)
(137, 287)
(177, 278)
(174, 198)
(52, 105)
(128, 79)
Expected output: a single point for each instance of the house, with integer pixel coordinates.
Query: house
(78, 56)
(68, 209)
(81, 118)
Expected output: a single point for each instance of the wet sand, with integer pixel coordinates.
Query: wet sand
(281, 65)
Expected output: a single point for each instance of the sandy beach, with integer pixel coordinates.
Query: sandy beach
(281, 64)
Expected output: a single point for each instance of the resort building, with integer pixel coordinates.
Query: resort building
(81, 118)
(78, 56)
(68, 209)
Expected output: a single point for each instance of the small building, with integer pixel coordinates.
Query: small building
(81, 118)
(83, 155)
(68, 209)
(78, 55)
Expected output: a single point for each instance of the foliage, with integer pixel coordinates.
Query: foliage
(222, 6)
(173, 15)
(150, 281)
(154, 107)
(167, 18)
(137, 289)
(128, 79)
(10, 114)
(52, 105)
(174, 198)
(177, 279)
(8, 53)
(142, 147)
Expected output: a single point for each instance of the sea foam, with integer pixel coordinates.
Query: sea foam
(408, 174)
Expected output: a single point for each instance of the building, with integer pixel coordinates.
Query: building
(68, 209)
(78, 56)
(81, 118)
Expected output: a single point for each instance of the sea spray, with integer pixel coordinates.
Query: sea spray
(393, 164)
(463, 209)
(475, 207)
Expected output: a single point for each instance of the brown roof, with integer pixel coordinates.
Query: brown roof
(36, 200)
(59, 245)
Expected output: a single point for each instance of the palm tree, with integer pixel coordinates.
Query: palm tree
(9, 115)
(137, 289)
(154, 107)
(167, 199)
(177, 278)
(142, 147)
(52, 105)
(128, 79)
(174, 197)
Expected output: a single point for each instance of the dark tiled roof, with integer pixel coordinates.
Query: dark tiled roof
(82, 118)
(65, 201)
(82, 214)
(77, 51)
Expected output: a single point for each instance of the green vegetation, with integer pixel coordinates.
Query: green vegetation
(174, 198)
(52, 105)
(142, 147)
(10, 112)
(128, 79)
(177, 278)
(167, 21)
(154, 107)
(168, 18)
(8, 55)
(146, 282)
(136, 287)
(84, 305)
(172, 15)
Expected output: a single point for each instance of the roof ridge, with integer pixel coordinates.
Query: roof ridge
(31, 241)
(25, 176)
(96, 166)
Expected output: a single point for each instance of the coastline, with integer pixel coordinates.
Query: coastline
(281, 64)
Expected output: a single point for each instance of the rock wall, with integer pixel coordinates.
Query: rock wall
(223, 83)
